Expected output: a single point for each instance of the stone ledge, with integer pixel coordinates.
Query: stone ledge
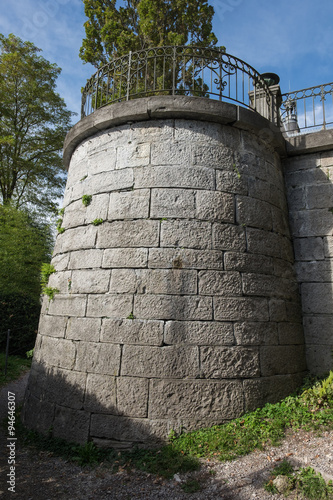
(157, 107)
(310, 143)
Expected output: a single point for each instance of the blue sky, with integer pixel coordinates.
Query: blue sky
(293, 38)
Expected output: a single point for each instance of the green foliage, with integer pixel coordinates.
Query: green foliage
(19, 314)
(86, 199)
(30, 354)
(97, 222)
(16, 366)
(191, 486)
(33, 126)
(306, 482)
(130, 316)
(60, 229)
(24, 245)
(113, 30)
(46, 271)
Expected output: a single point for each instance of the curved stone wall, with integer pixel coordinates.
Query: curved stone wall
(178, 306)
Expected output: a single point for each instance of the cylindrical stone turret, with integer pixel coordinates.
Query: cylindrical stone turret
(178, 306)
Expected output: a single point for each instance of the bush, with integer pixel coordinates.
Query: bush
(20, 315)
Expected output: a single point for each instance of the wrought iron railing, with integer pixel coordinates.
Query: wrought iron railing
(178, 70)
(308, 110)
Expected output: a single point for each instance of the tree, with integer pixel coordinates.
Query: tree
(34, 122)
(113, 31)
(25, 244)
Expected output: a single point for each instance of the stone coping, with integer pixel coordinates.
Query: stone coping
(181, 107)
(310, 143)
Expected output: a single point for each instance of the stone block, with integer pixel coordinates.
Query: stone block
(172, 307)
(83, 259)
(315, 271)
(193, 131)
(268, 286)
(37, 414)
(319, 196)
(67, 305)
(109, 305)
(73, 423)
(60, 281)
(312, 223)
(186, 234)
(245, 262)
(198, 400)
(214, 156)
(280, 221)
(228, 237)
(318, 330)
(309, 248)
(185, 258)
(317, 298)
(90, 281)
(215, 206)
(79, 238)
(254, 213)
(94, 357)
(256, 333)
(104, 182)
(132, 331)
(167, 361)
(132, 396)
(100, 396)
(172, 176)
(101, 160)
(60, 261)
(220, 283)
(128, 233)
(328, 246)
(258, 392)
(129, 204)
(296, 198)
(198, 333)
(133, 155)
(281, 360)
(122, 430)
(154, 281)
(319, 358)
(77, 214)
(52, 326)
(57, 352)
(125, 257)
(240, 309)
(290, 333)
(229, 181)
(156, 130)
(294, 311)
(248, 164)
(277, 310)
(64, 387)
(171, 153)
(268, 192)
(229, 362)
(85, 329)
(263, 242)
(178, 203)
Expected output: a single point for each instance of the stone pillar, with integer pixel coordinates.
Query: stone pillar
(178, 306)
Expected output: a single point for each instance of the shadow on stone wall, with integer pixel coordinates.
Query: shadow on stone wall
(64, 404)
(310, 199)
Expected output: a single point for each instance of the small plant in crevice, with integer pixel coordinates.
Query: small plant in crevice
(46, 271)
(97, 222)
(235, 169)
(86, 199)
(60, 229)
(83, 178)
(30, 354)
(130, 316)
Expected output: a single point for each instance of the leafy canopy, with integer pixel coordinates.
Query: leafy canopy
(113, 31)
(33, 123)
(24, 244)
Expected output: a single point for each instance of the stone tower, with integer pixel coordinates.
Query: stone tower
(178, 306)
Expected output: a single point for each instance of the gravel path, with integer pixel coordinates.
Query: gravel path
(41, 476)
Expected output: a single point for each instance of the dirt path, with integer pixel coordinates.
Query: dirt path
(41, 476)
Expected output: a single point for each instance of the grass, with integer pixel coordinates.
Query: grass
(311, 409)
(16, 366)
(305, 482)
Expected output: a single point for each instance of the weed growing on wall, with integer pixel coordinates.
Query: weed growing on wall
(86, 199)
